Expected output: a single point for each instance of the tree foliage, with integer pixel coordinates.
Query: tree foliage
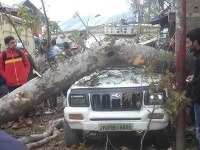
(30, 20)
(147, 9)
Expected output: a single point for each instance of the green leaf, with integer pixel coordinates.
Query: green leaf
(127, 96)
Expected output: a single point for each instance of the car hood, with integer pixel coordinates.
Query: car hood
(118, 77)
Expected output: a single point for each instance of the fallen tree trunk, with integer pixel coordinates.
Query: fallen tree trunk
(37, 137)
(39, 89)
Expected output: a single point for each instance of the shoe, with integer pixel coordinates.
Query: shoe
(50, 111)
(28, 121)
(15, 125)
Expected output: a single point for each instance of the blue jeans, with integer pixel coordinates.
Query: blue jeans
(197, 120)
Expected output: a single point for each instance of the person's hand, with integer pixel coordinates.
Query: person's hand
(190, 78)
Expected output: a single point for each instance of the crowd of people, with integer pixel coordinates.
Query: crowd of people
(15, 57)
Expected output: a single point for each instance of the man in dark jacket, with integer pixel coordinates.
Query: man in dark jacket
(189, 87)
(193, 44)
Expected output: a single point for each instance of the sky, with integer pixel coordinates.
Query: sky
(61, 10)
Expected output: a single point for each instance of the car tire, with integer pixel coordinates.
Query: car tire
(163, 139)
(71, 136)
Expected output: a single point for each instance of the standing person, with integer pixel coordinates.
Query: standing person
(51, 54)
(40, 61)
(66, 50)
(189, 87)
(14, 67)
(56, 50)
(53, 51)
(31, 75)
(193, 44)
(68, 53)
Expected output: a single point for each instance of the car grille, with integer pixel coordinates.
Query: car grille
(126, 102)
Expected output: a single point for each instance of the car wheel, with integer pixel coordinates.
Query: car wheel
(71, 136)
(163, 138)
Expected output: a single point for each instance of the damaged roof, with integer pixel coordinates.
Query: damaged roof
(92, 21)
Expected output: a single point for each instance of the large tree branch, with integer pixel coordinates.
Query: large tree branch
(38, 89)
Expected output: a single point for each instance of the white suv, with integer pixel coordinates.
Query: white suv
(115, 100)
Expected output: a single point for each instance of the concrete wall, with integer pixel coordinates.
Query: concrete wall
(26, 35)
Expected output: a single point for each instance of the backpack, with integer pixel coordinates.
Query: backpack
(4, 55)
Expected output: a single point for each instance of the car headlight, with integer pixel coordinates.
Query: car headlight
(155, 99)
(78, 100)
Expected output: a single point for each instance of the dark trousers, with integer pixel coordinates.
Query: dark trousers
(3, 90)
(192, 114)
(53, 102)
(190, 94)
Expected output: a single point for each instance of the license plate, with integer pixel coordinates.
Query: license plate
(115, 127)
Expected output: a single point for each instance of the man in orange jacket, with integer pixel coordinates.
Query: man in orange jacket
(14, 67)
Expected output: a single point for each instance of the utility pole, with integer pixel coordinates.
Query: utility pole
(180, 48)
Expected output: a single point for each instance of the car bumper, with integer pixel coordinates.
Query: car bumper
(93, 120)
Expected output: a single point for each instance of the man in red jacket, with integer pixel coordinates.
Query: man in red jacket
(14, 66)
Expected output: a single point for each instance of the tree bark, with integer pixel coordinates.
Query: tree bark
(46, 140)
(54, 80)
(37, 140)
(37, 137)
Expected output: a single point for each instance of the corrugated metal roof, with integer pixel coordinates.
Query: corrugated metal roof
(76, 24)
(91, 21)
(116, 18)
